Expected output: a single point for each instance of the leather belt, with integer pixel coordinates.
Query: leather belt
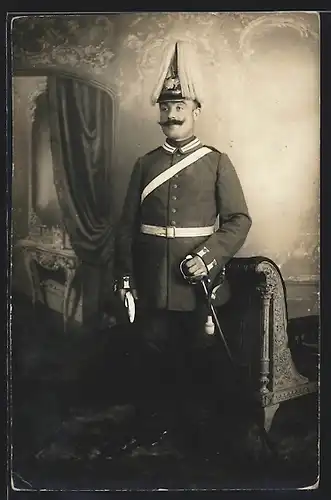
(177, 232)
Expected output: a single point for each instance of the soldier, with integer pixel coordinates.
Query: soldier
(183, 218)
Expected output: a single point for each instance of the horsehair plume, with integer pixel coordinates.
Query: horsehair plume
(184, 70)
(188, 72)
(167, 58)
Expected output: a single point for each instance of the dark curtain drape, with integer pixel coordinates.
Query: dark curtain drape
(81, 117)
(81, 122)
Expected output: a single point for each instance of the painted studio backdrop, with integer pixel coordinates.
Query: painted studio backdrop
(261, 79)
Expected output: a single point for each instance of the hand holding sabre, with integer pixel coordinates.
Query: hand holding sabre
(193, 269)
(193, 273)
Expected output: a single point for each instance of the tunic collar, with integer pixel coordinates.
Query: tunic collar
(185, 148)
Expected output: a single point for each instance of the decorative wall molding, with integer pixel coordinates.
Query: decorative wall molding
(64, 41)
(262, 25)
(95, 59)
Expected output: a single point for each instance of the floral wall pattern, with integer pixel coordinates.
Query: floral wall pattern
(261, 75)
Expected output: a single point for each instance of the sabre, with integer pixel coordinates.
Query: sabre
(215, 321)
(212, 319)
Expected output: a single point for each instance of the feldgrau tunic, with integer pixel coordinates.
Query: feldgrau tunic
(195, 197)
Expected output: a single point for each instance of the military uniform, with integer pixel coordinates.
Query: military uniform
(199, 210)
(193, 198)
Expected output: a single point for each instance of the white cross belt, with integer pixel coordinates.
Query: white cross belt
(177, 232)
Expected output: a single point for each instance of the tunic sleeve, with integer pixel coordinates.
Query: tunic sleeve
(128, 226)
(234, 219)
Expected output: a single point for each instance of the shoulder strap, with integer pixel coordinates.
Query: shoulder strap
(170, 172)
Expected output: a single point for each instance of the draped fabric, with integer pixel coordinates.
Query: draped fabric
(81, 128)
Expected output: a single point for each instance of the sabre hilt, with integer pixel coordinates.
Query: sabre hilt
(192, 280)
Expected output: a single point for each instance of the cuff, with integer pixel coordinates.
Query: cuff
(205, 254)
(124, 282)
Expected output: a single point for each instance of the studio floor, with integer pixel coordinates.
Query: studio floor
(70, 431)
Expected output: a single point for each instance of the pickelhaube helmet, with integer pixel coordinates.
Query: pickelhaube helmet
(179, 76)
(171, 89)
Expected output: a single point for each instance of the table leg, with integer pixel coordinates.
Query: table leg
(31, 272)
(70, 275)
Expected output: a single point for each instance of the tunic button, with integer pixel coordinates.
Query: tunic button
(172, 223)
(173, 210)
(174, 198)
(175, 186)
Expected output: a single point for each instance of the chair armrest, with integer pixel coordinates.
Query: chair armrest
(258, 283)
(257, 272)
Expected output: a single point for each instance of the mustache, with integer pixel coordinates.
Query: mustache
(171, 122)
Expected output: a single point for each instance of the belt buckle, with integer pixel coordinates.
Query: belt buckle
(170, 232)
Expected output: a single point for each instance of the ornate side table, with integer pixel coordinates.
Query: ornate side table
(51, 258)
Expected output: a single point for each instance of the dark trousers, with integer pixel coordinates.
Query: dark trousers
(170, 338)
(181, 364)
(164, 356)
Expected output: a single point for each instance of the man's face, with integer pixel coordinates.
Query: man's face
(177, 119)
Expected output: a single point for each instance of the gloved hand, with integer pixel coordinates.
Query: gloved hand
(194, 267)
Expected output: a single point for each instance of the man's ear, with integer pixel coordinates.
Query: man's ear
(196, 112)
